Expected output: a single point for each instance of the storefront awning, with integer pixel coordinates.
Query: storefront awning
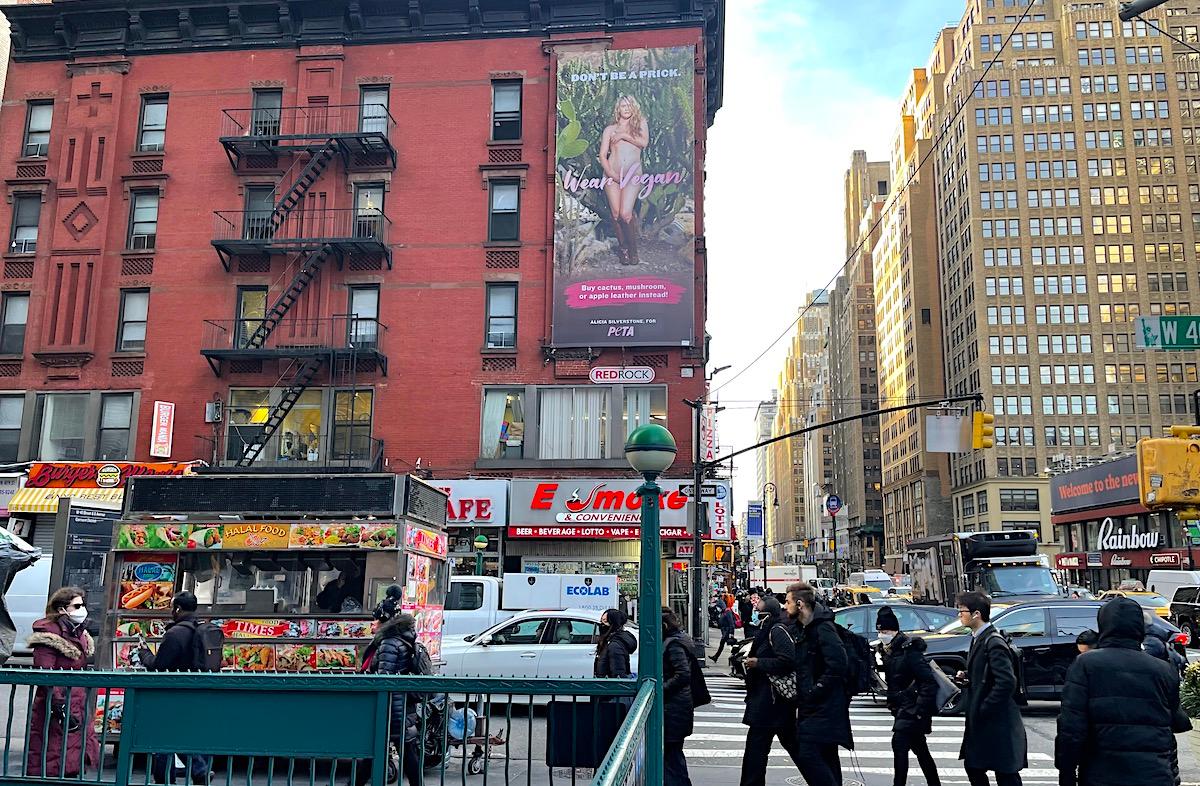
(35, 500)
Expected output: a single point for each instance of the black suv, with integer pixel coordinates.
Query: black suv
(1185, 612)
(1044, 632)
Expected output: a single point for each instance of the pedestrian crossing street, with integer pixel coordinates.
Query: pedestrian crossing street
(719, 741)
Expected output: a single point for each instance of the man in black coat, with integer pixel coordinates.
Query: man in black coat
(726, 624)
(994, 734)
(1120, 709)
(911, 697)
(823, 711)
(768, 714)
(679, 712)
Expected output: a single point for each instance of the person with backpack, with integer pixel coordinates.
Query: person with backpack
(911, 697)
(187, 645)
(823, 707)
(394, 650)
(680, 674)
(727, 622)
(994, 734)
(1120, 709)
(615, 647)
(769, 712)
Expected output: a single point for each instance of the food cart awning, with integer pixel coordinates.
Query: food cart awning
(35, 500)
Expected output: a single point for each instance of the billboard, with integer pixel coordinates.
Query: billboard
(624, 213)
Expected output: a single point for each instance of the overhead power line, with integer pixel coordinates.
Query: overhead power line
(947, 127)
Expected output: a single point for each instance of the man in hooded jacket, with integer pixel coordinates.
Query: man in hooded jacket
(1120, 709)
(823, 708)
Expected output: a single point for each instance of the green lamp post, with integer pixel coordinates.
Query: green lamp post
(481, 544)
(650, 450)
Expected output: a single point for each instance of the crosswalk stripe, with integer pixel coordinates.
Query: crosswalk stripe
(726, 753)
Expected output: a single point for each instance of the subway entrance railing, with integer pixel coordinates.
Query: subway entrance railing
(288, 729)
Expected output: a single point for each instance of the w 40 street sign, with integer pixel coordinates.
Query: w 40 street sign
(1177, 332)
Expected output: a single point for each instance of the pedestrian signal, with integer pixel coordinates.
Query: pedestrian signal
(718, 554)
(1169, 469)
(982, 431)
(679, 566)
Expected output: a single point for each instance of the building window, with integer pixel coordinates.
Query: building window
(504, 217)
(260, 206)
(152, 132)
(116, 417)
(143, 220)
(502, 426)
(265, 116)
(301, 432)
(368, 215)
(573, 423)
(1019, 500)
(131, 331)
(644, 405)
(364, 316)
(11, 410)
(352, 424)
(248, 412)
(1036, 526)
(61, 426)
(27, 212)
(37, 129)
(251, 311)
(373, 110)
(506, 110)
(16, 315)
(501, 316)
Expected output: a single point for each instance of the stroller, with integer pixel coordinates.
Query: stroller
(448, 726)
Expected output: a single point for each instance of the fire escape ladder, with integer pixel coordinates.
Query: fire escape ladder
(291, 394)
(304, 276)
(311, 172)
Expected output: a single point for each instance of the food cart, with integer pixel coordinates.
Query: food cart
(293, 591)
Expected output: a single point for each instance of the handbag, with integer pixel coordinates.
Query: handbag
(946, 689)
(783, 685)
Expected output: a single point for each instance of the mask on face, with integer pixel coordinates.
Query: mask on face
(886, 638)
(604, 629)
(77, 616)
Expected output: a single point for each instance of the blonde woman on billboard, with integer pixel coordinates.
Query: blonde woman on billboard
(621, 149)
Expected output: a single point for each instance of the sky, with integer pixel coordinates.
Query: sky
(806, 83)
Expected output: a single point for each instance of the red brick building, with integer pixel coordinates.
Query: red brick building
(325, 231)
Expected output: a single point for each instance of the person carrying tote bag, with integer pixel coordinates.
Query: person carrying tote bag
(770, 710)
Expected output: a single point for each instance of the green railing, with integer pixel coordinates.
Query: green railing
(290, 729)
(626, 759)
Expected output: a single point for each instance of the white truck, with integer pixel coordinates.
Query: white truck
(475, 603)
(780, 576)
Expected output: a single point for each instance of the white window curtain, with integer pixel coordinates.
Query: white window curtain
(637, 408)
(574, 423)
(494, 403)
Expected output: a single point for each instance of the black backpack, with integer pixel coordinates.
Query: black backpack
(859, 660)
(1014, 655)
(422, 664)
(208, 645)
(700, 694)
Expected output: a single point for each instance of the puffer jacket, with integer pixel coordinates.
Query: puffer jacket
(911, 688)
(1120, 709)
(679, 714)
(614, 660)
(391, 652)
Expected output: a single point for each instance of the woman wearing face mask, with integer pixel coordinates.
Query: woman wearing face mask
(911, 696)
(59, 641)
(615, 647)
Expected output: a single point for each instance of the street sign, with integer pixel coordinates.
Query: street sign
(754, 520)
(1173, 332)
(833, 503)
(717, 490)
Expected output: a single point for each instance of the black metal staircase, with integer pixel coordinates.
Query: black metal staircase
(304, 276)
(311, 172)
(299, 383)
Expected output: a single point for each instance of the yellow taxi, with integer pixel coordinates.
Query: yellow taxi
(1151, 601)
(861, 596)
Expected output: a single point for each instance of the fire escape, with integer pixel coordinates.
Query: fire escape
(299, 226)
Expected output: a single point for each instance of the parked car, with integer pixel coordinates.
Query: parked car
(1185, 612)
(1151, 601)
(548, 644)
(1044, 632)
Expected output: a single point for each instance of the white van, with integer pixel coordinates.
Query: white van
(1165, 582)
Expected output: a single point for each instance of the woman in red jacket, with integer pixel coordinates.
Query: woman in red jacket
(59, 641)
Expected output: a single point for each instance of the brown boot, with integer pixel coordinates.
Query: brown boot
(622, 250)
(631, 242)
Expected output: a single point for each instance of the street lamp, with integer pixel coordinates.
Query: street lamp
(650, 449)
(775, 504)
(481, 544)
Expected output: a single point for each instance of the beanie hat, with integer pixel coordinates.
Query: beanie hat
(886, 620)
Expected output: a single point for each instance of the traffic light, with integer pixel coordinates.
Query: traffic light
(982, 431)
(717, 554)
(1169, 471)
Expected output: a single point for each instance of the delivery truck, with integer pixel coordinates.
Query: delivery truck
(475, 603)
(1005, 565)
